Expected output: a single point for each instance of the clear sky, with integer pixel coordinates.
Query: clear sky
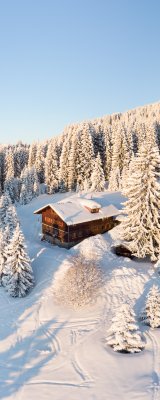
(63, 61)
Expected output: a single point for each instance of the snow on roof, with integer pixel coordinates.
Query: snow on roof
(89, 203)
(73, 211)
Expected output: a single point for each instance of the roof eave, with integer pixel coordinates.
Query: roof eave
(39, 211)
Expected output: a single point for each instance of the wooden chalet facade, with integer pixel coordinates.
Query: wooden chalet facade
(67, 223)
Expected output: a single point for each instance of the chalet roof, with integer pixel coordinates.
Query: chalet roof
(72, 210)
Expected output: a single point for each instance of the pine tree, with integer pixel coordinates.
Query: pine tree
(121, 157)
(2, 168)
(85, 157)
(115, 180)
(12, 187)
(30, 185)
(9, 173)
(124, 335)
(117, 160)
(24, 195)
(72, 177)
(32, 155)
(34, 182)
(63, 169)
(36, 188)
(5, 237)
(9, 164)
(98, 137)
(40, 162)
(20, 158)
(5, 202)
(108, 149)
(11, 219)
(152, 308)
(141, 228)
(51, 168)
(127, 155)
(2, 254)
(17, 275)
(97, 177)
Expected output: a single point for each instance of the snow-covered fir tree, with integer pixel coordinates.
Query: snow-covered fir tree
(98, 137)
(117, 162)
(115, 179)
(63, 169)
(5, 202)
(2, 254)
(40, 162)
(51, 168)
(20, 158)
(127, 155)
(5, 237)
(2, 169)
(36, 187)
(152, 308)
(72, 177)
(85, 157)
(9, 164)
(121, 156)
(9, 183)
(11, 219)
(17, 274)
(26, 193)
(97, 177)
(124, 335)
(32, 155)
(141, 228)
(24, 198)
(108, 151)
(30, 185)
(35, 182)
(12, 187)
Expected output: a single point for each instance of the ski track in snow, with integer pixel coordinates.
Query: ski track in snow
(80, 371)
(77, 336)
(155, 386)
(76, 363)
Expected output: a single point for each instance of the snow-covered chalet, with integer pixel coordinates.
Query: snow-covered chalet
(73, 219)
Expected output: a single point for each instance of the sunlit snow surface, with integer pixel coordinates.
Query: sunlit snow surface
(47, 351)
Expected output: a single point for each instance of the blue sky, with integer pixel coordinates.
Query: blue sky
(63, 61)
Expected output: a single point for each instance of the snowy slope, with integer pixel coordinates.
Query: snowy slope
(47, 351)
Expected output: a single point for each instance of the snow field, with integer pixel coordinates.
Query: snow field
(49, 351)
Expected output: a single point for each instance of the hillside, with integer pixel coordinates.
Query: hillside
(51, 351)
(70, 161)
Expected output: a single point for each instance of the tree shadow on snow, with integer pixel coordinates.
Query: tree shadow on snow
(27, 345)
(24, 359)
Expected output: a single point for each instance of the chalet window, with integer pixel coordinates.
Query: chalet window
(48, 220)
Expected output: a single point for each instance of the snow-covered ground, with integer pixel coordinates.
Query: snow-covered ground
(48, 351)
